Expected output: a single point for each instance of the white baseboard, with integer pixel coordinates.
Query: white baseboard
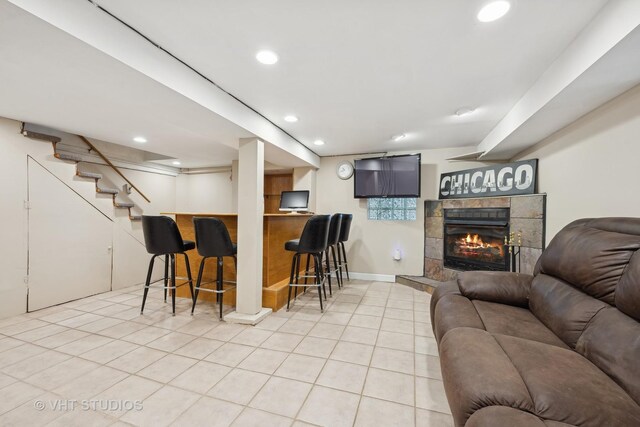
(373, 277)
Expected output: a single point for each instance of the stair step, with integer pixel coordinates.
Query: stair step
(67, 156)
(135, 217)
(123, 205)
(41, 136)
(107, 190)
(83, 174)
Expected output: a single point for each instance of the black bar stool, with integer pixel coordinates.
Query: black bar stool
(213, 241)
(313, 242)
(162, 237)
(332, 242)
(344, 236)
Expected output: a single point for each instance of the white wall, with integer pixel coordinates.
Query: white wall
(590, 168)
(13, 219)
(206, 192)
(372, 243)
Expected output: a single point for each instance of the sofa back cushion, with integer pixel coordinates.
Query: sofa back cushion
(627, 297)
(587, 291)
(591, 255)
(562, 308)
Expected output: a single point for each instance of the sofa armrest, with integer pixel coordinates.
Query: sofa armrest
(496, 286)
(442, 290)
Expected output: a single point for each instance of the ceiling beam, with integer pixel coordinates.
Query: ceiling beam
(615, 22)
(89, 24)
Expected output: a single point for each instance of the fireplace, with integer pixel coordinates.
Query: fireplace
(474, 239)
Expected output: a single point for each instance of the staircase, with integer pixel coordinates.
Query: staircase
(78, 160)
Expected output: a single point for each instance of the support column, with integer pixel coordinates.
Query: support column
(249, 308)
(234, 186)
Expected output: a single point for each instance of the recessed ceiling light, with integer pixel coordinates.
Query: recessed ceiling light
(397, 138)
(175, 162)
(140, 139)
(267, 57)
(290, 119)
(464, 111)
(493, 11)
(318, 142)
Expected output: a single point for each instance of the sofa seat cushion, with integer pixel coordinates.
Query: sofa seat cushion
(493, 416)
(481, 369)
(514, 321)
(454, 311)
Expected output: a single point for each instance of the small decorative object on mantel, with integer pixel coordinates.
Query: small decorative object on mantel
(509, 179)
(514, 242)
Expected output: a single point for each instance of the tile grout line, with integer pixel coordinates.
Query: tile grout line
(195, 336)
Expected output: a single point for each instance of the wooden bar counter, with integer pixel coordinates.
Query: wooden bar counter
(276, 262)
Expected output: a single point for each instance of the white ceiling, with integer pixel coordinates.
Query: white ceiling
(613, 74)
(355, 73)
(50, 78)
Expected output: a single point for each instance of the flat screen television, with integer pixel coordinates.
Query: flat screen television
(294, 201)
(392, 176)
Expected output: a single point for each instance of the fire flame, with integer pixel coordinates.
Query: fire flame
(476, 240)
(473, 246)
(473, 242)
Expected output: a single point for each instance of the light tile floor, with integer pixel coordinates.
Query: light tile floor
(370, 359)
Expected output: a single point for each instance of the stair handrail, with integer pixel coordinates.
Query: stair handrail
(114, 167)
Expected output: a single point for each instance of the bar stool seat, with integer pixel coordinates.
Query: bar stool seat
(334, 234)
(213, 241)
(162, 238)
(292, 245)
(344, 236)
(312, 242)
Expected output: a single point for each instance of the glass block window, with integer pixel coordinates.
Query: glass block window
(392, 209)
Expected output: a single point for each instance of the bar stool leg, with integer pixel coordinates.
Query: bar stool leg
(198, 282)
(344, 256)
(317, 266)
(326, 254)
(324, 288)
(297, 269)
(337, 265)
(296, 266)
(166, 276)
(146, 283)
(306, 269)
(291, 277)
(306, 273)
(173, 284)
(189, 278)
(219, 283)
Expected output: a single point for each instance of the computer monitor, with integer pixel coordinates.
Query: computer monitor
(293, 201)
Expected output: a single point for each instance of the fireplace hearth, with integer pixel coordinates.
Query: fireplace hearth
(474, 239)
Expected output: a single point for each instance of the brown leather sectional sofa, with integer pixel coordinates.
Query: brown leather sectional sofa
(559, 348)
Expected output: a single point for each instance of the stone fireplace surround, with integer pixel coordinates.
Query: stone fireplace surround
(527, 214)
